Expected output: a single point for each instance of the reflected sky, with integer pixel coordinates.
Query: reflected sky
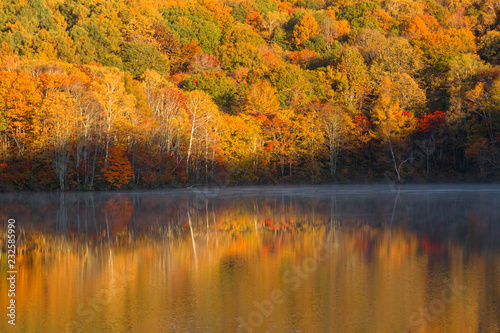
(258, 259)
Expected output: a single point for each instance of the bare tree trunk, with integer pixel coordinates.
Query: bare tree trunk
(61, 164)
(93, 165)
(189, 148)
(393, 157)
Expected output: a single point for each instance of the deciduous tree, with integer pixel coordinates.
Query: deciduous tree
(392, 126)
(305, 29)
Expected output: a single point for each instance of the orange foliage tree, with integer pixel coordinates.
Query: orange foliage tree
(118, 171)
(305, 29)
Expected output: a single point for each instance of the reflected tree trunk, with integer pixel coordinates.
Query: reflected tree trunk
(192, 233)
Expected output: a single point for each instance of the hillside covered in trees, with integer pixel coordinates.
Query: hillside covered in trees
(102, 94)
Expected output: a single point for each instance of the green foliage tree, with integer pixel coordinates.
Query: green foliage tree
(352, 77)
(138, 56)
(489, 47)
(218, 86)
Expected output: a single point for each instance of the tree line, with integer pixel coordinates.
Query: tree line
(132, 94)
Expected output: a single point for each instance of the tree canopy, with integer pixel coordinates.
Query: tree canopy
(127, 93)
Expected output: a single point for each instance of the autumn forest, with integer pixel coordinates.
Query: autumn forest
(109, 94)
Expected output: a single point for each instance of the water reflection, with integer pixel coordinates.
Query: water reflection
(308, 259)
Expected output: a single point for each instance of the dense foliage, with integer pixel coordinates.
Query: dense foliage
(99, 94)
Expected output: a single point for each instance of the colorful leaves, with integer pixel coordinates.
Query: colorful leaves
(430, 121)
(118, 171)
(305, 29)
(261, 98)
(440, 47)
(152, 77)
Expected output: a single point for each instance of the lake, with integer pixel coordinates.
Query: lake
(378, 258)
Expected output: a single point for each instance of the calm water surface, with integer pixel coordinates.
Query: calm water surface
(256, 259)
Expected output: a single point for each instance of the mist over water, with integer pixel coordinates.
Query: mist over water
(373, 258)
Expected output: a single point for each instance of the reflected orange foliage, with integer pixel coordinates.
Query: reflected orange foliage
(117, 211)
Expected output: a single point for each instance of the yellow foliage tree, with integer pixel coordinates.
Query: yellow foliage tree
(114, 102)
(337, 126)
(305, 29)
(392, 125)
(261, 98)
(203, 120)
(309, 142)
(62, 124)
(241, 143)
(344, 27)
